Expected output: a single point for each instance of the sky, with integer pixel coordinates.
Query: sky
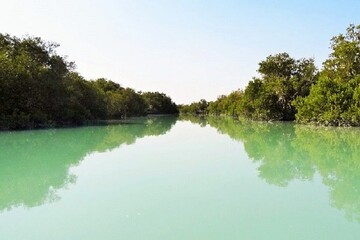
(188, 49)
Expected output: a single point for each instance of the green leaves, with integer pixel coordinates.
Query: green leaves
(334, 99)
(195, 108)
(39, 88)
(159, 103)
(283, 79)
(344, 61)
(291, 88)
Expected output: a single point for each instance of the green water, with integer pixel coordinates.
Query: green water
(168, 178)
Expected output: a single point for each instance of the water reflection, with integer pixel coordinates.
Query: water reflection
(34, 164)
(285, 152)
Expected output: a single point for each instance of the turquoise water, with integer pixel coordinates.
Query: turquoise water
(168, 178)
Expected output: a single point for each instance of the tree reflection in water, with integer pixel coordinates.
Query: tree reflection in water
(285, 151)
(35, 164)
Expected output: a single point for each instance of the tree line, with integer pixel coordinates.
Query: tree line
(39, 88)
(291, 89)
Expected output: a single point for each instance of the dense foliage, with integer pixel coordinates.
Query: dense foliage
(269, 97)
(227, 105)
(159, 103)
(39, 88)
(283, 79)
(198, 108)
(335, 99)
(293, 89)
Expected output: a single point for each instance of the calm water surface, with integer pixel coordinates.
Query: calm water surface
(165, 178)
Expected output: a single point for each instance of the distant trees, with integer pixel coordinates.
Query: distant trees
(125, 103)
(199, 108)
(39, 88)
(269, 97)
(293, 89)
(227, 105)
(159, 103)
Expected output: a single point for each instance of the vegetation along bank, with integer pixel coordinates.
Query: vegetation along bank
(294, 89)
(39, 88)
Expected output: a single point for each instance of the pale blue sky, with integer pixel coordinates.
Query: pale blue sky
(189, 49)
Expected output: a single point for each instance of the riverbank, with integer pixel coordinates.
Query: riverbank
(100, 122)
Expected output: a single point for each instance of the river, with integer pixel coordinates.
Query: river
(181, 178)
